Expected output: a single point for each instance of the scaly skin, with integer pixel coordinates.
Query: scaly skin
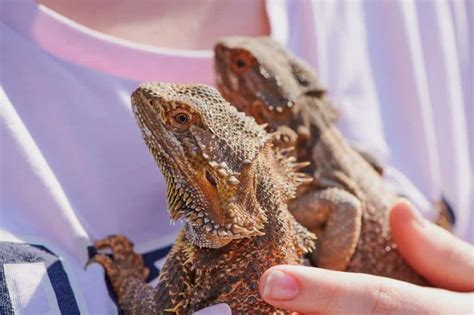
(230, 186)
(347, 204)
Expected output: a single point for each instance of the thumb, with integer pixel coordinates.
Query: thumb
(444, 260)
(309, 290)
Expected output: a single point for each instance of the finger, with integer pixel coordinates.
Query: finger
(441, 258)
(312, 290)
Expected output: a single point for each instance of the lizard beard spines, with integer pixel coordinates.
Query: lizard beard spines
(288, 168)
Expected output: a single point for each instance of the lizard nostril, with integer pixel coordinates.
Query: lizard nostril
(211, 179)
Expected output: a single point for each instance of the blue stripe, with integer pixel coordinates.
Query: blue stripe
(6, 307)
(14, 253)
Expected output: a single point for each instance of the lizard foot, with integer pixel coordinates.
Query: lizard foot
(123, 263)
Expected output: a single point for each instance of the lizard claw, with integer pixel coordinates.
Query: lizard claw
(121, 246)
(105, 261)
(122, 262)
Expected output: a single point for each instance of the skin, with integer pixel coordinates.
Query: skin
(449, 266)
(154, 23)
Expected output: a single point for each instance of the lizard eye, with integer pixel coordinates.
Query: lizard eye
(241, 61)
(181, 119)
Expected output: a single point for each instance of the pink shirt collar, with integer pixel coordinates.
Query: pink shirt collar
(78, 44)
(75, 43)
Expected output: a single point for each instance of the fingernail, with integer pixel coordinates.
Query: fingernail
(280, 286)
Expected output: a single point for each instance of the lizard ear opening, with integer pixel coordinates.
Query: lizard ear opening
(304, 75)
(319, 93)
(211, 179)
(311, 86)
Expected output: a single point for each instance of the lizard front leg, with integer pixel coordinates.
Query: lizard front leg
(336, 217)
(127, 274)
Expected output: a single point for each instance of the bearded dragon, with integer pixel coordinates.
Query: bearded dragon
(230, 186)
(347, 203)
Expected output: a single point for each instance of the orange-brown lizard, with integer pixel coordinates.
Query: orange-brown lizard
(230, 186)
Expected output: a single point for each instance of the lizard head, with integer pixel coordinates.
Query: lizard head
(205, 149)
(260, 78)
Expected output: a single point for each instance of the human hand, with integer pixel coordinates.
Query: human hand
(445, 261)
